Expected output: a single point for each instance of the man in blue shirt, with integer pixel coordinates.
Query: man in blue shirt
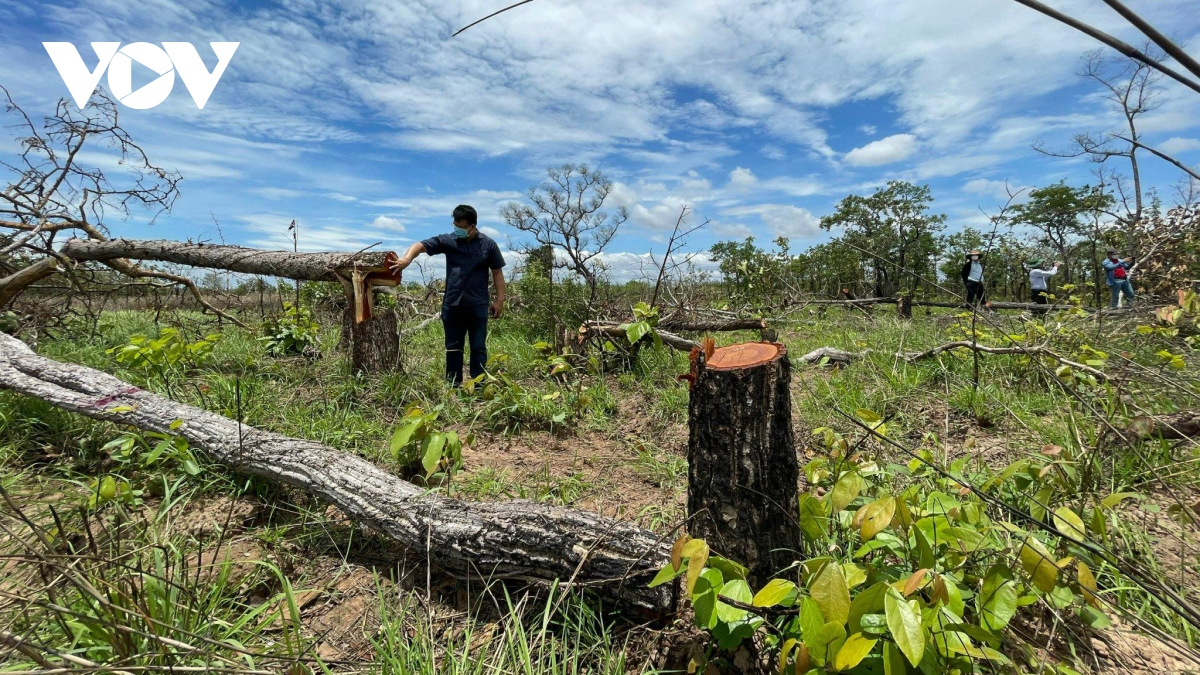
(465, 304)
(1118, 279)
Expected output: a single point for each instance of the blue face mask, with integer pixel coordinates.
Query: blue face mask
(460, 233)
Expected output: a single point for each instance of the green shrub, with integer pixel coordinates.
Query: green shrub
(293, 333)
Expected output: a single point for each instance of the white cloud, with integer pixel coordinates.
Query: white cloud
(884, 151)
(869, 129)
(784, 220)
(741, 179)
(984, 186)
(387, 223)
(1176, 145)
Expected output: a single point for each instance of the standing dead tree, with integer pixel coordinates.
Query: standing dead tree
(51, 190)
(566, 212)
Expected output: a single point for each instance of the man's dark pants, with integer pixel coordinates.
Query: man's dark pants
(974, 292)
(1039, 297)
(464, 323)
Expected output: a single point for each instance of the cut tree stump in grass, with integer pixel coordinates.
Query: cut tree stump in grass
(742, 467)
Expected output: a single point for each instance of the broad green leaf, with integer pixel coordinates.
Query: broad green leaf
(402, 435)
(828, 642)
(108, 487)
(997, 603)
(737, 590)
(775, 592)
(666, 574)
(866, 602)
(904, 621)
(878, 516)
(854, 650)
(705, 608)
(831, 593)
(1115, 498)
(1087, 583)
(729, 569)
(868, 416)
(811, 619)
(893, 660)
(433, 452)
(813, 518)
(1039, 564)
(845, 491)
(1069, 524)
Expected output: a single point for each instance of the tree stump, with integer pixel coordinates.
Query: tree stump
(904, 307)
(374, 344)
(742, 467)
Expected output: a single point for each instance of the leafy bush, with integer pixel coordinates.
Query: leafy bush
(165, 352)
(293, 333)
(923, 579)
(419, 441)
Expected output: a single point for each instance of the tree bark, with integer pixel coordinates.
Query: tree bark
(615, 331)
(742, 466)
(712, 325)
(374, 344)
(1175, 426)
(12, 285)
(287, 264)
(904, 307)
(502, 540)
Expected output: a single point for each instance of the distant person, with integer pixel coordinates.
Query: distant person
(972, 276)
(1118, 279)
(1037, 281)
(465, 304)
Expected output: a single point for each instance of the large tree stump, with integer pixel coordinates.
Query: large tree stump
(742, 468)
(374, 343)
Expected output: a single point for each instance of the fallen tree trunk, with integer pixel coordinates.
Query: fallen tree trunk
(866, 302)
(713, 325)
(831, 355)
(12, 285)
(1175, 426)
(512, 540)
(743, 473)
(287, 264)
(612, 330)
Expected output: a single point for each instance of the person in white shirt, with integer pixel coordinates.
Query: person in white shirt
(1037, 281)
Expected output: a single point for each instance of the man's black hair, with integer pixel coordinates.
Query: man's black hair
(463, 212)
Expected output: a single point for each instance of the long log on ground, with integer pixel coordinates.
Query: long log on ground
(12, 285)
(1037, 350)
(742, 468)
(1174, 426)
(712, 325)
(502, 540)
(1023, 306)
(613, 330)
(290, 265)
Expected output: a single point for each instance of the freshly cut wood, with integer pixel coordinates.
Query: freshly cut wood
(12, 285)
(742, 468)
(496, 540)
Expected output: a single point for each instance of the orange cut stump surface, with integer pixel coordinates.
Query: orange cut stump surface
(744, 355)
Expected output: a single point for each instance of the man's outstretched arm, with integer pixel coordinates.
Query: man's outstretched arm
(410, 255)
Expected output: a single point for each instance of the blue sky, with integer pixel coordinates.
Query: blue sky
(367, 122)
